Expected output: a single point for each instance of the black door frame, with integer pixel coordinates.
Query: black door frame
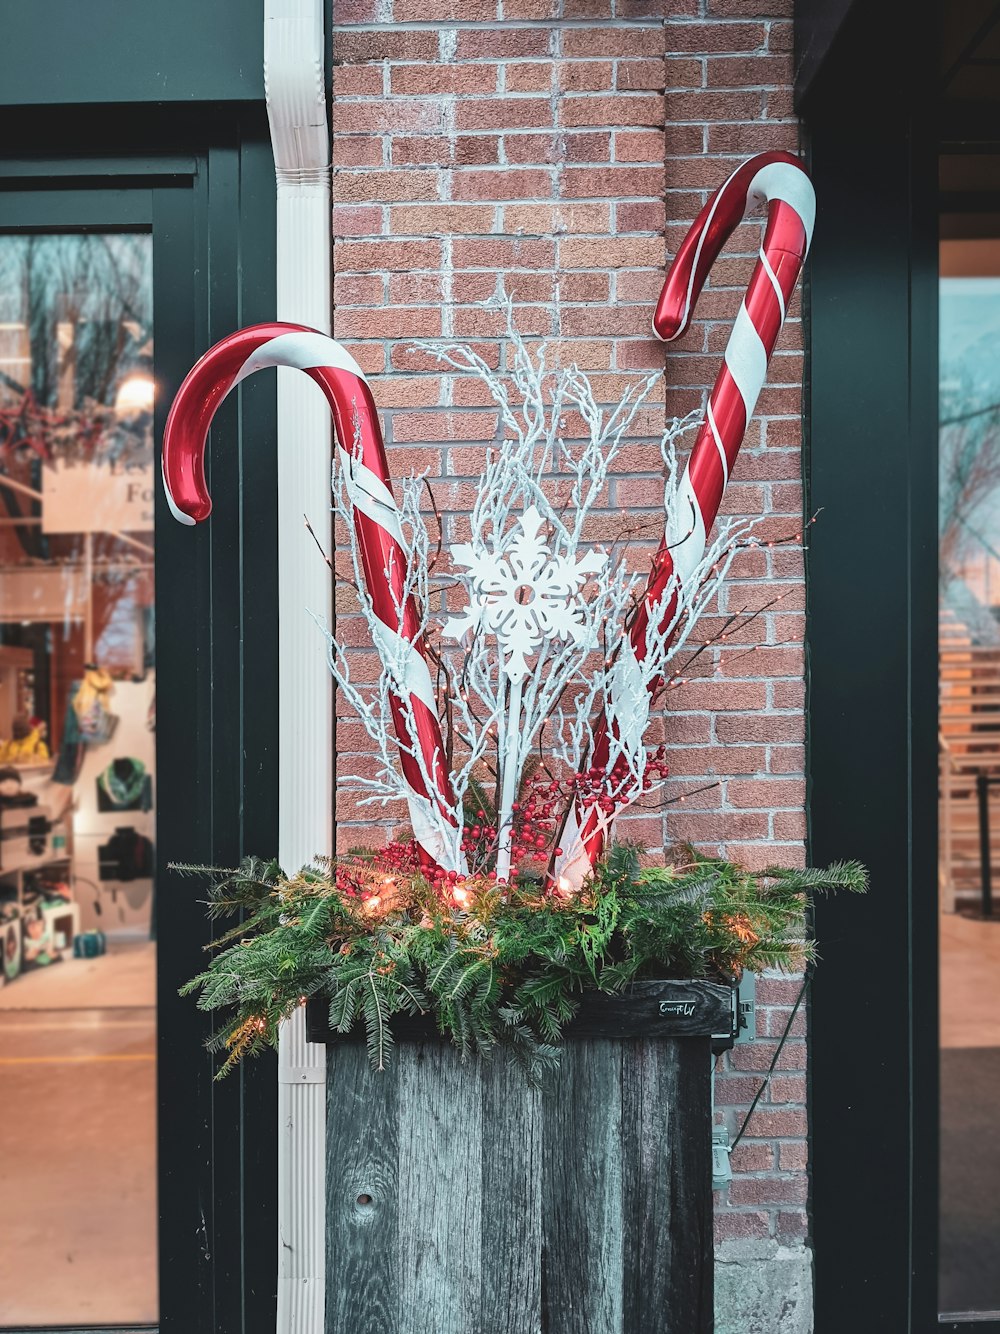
(202, 180)
(873, 131)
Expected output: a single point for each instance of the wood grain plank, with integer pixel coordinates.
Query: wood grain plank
(582, 1226)
(512, 1201)
(666, 1158)
(440, 1196)
(362, 1243)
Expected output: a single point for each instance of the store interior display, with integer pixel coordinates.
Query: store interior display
(77, 777)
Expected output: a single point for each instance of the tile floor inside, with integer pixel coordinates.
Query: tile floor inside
(77, 1142)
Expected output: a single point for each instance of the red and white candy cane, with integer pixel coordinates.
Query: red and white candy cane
(778, 181)
(376, 518)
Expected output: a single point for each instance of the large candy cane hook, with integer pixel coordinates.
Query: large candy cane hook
(377, 524)
(779, 181)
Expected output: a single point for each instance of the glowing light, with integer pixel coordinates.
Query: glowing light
(135, 395)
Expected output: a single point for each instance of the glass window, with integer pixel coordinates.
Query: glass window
(969, 786)
(78, 1231)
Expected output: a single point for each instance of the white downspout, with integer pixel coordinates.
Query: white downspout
(297, 112)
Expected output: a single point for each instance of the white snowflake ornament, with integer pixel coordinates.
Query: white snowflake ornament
(523, 593)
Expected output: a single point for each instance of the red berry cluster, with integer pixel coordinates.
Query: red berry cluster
(355, 876)
(545, 800)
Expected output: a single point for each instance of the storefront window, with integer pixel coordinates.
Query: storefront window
(969, 787)
(77, 782)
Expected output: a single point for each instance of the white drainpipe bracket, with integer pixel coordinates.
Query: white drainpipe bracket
(299, 120)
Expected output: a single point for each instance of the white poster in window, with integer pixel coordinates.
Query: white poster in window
(97, 498)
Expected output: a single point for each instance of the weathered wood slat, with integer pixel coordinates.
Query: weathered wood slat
(462, 1201)
(582, 1224)
(668, 1184)
(512, 1195)
(440, 1200)
(362, 1240)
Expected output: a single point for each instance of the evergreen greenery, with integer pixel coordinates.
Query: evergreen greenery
(493, 964)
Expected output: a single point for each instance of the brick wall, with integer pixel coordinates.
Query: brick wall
(566, 145)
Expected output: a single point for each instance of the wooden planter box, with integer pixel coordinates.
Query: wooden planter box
(462, 1201)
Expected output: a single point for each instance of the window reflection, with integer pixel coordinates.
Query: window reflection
(969, 788)
(77, 782)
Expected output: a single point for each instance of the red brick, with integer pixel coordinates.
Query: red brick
(442, 219)
(383, 186)
(639, 146)
(361, 151)
(503, 255)
(421, 150)
(768, 1122)
(530, 77)
(793, 1156)
(509, 113)
(742, 1225)
(411, 289)
(399, 391)
(617, 110)
(609, 252)
(428, 79)
(531, 9)
(551, 219)
(735, 1090)
(365, 220)
(357, 81)
(748, 71)
(682, 75)
(585, 75)
(738, 9)
(357, 11)
(684, 140)
(380, 116)
(410, 427)
(498, 43)
(751, 1156)
(759, 1055)
(357, 290)
(753, 138)
(639, 218)
(766, 793)
(768, 1190)
(710, 37)
(793, 1225)
(473, 149)
(788, 1088)
(786, 759)
(640, 75)
(385, 254)
(417, 322)
(709, 106)
(443, 11)
(604, 182)
(509, 184)
(354, 48)
(781, 37)
(606, 43)
(582, 146)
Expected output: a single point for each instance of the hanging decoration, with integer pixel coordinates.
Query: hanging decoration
(516, 728)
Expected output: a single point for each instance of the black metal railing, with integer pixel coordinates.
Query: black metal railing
(983, 784)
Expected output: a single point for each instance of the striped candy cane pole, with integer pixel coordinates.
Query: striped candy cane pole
(380, 538)
(778, 181)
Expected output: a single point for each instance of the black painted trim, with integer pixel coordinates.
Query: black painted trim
(872, 676)
(213, 226)
(59, 52)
